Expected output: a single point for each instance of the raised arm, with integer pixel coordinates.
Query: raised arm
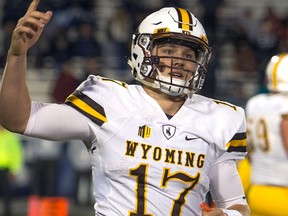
(15, 102)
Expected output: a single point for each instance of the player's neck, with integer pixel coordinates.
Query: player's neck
(170, 105)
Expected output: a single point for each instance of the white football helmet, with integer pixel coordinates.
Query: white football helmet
(171, 26)
(277, 73)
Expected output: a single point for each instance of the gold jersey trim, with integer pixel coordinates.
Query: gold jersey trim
(87, 107)
(237, 143)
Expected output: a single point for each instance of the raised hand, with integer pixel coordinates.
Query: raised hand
(28, 29)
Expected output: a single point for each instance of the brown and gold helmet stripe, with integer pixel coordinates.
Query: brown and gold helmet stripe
(185, 19)
(274, 71)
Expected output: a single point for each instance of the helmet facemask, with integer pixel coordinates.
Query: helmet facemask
(173, 75)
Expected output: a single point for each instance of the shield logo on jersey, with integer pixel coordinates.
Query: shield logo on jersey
(168, 131)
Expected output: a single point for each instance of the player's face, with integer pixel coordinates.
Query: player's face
(175, 60)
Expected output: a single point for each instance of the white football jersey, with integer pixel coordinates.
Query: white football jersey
(146, 164)
(269, 161)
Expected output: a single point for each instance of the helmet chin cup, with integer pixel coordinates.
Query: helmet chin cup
(169, 89)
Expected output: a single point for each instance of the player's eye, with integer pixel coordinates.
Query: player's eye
(168, 51)
(189, 55)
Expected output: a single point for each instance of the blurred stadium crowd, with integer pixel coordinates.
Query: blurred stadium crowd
(90, 36)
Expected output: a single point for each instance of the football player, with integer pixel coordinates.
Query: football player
(156, 149)
(267, 129)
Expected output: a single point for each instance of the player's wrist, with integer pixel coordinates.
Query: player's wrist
(17, 54)
(230, 212)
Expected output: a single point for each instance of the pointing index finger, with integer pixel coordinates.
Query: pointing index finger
(33, 5)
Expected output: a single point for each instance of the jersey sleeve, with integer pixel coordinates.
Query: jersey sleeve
(225, 185)
(96, 99)
(232, 143)
(88, 101)
(56, 122)
(237, 144)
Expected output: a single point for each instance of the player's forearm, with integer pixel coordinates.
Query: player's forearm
(243, 209)
(15, 101)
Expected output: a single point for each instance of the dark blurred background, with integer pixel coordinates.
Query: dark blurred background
(93, 37)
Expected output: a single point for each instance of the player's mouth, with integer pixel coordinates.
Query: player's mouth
(176, 74)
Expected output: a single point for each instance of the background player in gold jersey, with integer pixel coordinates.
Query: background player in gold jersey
(267, 127)
(156, 149)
